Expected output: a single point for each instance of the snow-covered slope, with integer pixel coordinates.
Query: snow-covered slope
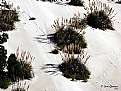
(104, 48)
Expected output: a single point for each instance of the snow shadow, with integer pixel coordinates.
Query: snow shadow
(45, 39)
(52, 69)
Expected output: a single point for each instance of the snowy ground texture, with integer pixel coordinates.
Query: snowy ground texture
(104, 47)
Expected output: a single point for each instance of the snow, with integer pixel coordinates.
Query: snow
(104, 47)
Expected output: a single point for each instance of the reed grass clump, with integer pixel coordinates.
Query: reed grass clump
(8, 16)
(69, 33)
(19, 66)
(15, 67)
(74, 67)
(67, 36)
(99, 15)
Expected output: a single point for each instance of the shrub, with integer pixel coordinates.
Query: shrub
(14, 67)
(99, 19)
(76, 2)
(3, 57)
(69, 33)
(4, 83)
(99, 15)
(18, 69)
(25, 59)
(3, 38)
(74, 68)
(8, 18)
(66, 36)
(4, 80)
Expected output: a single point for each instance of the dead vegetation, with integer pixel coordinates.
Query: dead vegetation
(8, 16)
(69, 33)
(99, 15)
(74, 66)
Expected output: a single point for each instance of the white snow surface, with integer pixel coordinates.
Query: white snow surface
(103, 46)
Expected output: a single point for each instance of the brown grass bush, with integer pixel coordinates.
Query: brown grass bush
(99, 15)
(74, 67)
(8, 16)
(69, 33)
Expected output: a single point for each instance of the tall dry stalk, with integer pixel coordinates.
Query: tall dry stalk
(72, 48)
(96, 5)
(24, 56)
(74, 66)
(20, 86)
(82, 57)
(73, 22)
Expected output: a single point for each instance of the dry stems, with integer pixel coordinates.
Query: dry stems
(20, 86)
(97, 5)
(82, 57)
(24, 56)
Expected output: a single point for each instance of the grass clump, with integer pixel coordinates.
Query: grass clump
(8, 17)
(69, 34)
(99, 19)
(15, 67)
(77, 22)
(75, 68)
(99, 15)
(19, 68)
(67, 37)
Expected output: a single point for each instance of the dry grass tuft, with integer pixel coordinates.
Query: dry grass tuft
(24, 56)
(8, 16)
(69, 33)
(74, 67)
(99, 15)
(20, 86)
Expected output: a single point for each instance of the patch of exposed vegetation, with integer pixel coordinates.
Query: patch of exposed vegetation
(69, 35)
(17, 67)
(75, 68)
(99, 15)
(19, 86)
(8, 16)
